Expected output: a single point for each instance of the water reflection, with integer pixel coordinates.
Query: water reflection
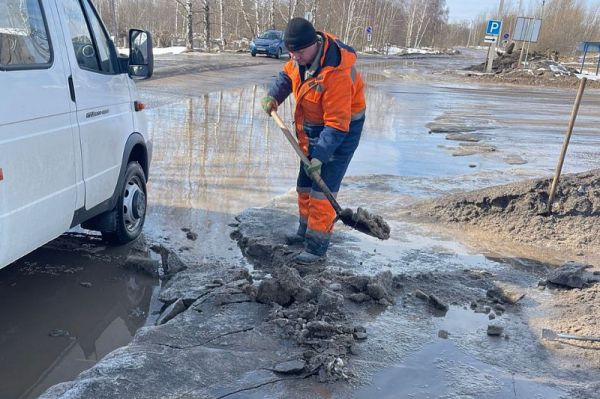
(54, 327)
(218, 153)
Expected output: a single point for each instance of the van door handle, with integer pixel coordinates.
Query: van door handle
(71, 88)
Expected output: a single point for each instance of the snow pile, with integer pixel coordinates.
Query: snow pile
(157, 50)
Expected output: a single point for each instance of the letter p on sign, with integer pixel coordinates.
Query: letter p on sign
(493, 27)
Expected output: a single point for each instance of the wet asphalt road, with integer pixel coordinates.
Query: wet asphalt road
(216, 153)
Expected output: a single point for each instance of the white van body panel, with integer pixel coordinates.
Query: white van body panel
(37, 155)
(104, 109)
(62, 146)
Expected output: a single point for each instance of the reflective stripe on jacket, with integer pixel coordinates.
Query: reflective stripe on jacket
(328, 100)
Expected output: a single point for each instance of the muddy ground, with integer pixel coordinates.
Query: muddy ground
(517, 215)
(431, 312)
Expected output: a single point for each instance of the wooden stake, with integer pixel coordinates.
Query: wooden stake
(565, 145)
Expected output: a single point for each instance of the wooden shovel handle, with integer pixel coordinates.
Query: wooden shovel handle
(315, 176)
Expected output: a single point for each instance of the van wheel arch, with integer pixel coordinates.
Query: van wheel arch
(105, 216)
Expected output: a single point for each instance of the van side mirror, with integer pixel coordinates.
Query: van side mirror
(141, 56)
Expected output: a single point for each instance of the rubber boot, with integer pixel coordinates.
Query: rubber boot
(307, 258)
(294, 239)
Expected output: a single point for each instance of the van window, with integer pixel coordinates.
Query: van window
(92, 46)
(24, 40)
(103, 43)
(85, 50)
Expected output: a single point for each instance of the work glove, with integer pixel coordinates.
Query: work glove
(269, 104)
(315, 166)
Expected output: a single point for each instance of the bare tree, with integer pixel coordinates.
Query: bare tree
(221, 23)
(272, 15)
(189, 19)
(246, 18)
(256, 16)
(292, 8)
(395, 22)
(207, 24)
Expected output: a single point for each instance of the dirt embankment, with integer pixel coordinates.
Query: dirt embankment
(539, 70)
(514, 213)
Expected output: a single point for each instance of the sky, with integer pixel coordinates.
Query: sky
(461, 10)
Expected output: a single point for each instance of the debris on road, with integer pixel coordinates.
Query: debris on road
(572, 275)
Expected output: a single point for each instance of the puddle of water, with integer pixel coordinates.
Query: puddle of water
(527, 122)
(214, 156)
(42, 295)
(441, 369)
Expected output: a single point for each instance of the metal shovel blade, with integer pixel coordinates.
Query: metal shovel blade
(365, 222)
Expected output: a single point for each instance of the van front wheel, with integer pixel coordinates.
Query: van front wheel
(131, 206)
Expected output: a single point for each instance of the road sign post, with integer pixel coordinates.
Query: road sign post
(494, 27)
(369, 32)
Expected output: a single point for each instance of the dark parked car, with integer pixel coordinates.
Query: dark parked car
(269, 43)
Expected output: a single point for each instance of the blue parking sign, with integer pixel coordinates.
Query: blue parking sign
(493, 27)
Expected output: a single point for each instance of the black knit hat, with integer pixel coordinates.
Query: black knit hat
(299, 34)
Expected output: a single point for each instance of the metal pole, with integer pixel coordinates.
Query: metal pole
(490, 60)
(529, 36)
(585, 50)
(565, 145)
(492, 48)
(527, 22)
(500, 13)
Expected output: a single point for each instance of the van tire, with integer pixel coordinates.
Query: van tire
(131, 207)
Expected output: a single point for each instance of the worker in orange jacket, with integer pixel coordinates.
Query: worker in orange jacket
(329, 118)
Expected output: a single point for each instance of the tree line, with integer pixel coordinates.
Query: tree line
(565, 23)
(212, 24)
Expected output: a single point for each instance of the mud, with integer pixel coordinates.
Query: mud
(513, 213)
(363, 221)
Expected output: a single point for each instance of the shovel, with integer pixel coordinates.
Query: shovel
(553, 336)
(361, 220)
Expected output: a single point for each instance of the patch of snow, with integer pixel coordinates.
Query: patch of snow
(557, 68)
(588, 75)
(393, 50)
(158, 50)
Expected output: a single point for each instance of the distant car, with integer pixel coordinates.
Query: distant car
(270, 43)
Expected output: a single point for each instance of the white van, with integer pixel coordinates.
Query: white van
(73, 144)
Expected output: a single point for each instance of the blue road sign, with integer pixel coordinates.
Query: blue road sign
(493, 27)
(369, 29)
(505, 36)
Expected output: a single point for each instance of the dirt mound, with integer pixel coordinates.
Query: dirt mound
(540, 69)
(513, 212)
(539, 63)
